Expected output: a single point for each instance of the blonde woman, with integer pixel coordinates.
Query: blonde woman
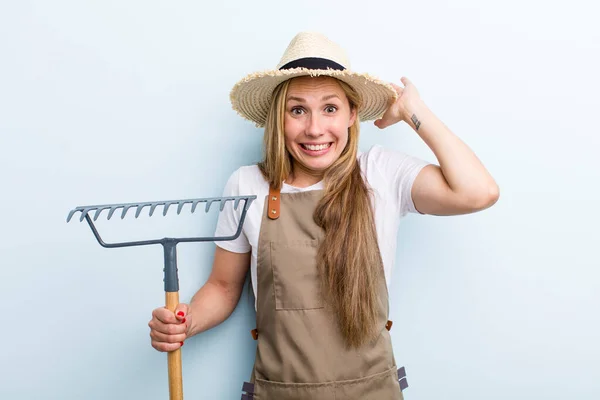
(320, 241)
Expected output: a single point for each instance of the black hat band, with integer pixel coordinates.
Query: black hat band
(313, 63)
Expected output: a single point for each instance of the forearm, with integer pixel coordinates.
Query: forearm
(211, 305)
(464, 173)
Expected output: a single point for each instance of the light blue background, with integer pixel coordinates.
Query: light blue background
(118, 101)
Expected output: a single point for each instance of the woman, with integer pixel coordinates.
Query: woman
(321, 245)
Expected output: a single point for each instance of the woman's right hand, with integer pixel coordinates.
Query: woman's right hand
(168, 329)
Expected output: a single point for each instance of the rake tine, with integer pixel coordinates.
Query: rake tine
(98, 211)
(208, 204)
(112, 211)
(194, 204)
(236, 204)
(223, 201)
(154, 205)
(167, 205)
(85, 211)
(125, 209)
(71, 214)
(181, 204)
(140, 207)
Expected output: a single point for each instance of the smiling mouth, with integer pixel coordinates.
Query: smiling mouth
(315, 147)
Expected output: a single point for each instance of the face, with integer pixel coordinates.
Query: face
(317, 118)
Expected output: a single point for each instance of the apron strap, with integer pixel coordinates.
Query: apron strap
(273, 203)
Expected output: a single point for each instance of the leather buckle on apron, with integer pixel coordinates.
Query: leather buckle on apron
(254, 333)
(388, 325)
(273, 203)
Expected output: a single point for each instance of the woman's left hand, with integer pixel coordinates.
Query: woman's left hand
(403, 108)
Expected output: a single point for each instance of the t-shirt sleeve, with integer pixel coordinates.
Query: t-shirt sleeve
(229, 218)
(399, 171)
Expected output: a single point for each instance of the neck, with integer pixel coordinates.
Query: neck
(303, 177)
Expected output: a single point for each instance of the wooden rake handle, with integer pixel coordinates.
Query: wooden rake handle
(174, 357)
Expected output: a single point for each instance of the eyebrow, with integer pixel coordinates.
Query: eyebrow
(301, 100)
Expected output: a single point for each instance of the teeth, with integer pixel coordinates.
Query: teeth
(316, 147)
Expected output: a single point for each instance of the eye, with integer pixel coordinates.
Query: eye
(297, 111)
(330, 109)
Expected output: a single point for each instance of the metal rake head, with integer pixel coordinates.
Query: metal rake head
(166, 204)
(153, 204)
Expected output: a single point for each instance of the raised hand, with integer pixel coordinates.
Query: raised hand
(404, 108)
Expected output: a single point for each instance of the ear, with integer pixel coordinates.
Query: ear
(353, 113)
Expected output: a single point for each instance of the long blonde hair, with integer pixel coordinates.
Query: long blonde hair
(348, 257)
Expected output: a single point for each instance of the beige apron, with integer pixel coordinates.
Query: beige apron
(300, 352)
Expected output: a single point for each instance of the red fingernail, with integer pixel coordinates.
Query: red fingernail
(180, 313)
(181, 343)
(183, 321)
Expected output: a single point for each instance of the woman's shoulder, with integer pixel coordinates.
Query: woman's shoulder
(247, 178)
(381, 157)
(377, 158)
(378, 153)
(248, 171)
(383, 167)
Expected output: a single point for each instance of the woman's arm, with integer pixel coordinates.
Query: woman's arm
(216, 300)
(211, 305)
(461, 184)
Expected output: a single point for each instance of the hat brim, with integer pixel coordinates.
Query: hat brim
(251, 97)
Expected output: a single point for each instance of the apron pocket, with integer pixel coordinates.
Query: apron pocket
(381, 386)
(268, 390)
(296, 280)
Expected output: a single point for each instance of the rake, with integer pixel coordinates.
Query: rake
(171, 279)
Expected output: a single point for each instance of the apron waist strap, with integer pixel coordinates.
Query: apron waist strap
(402, 378)
(249, 389)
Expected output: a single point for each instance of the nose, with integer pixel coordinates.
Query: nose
(315, 126)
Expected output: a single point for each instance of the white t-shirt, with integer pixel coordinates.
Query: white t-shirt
(390, 175)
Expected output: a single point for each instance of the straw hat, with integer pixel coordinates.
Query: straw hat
(311, 54)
